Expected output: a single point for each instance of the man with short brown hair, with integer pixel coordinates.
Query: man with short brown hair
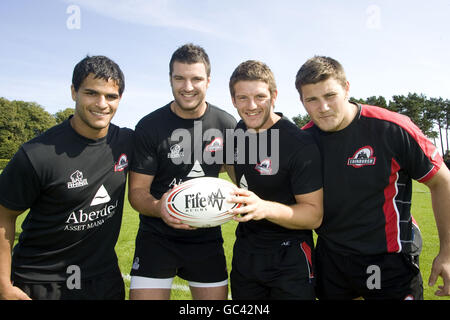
(165, 247)
(369, 243)
(282, 193)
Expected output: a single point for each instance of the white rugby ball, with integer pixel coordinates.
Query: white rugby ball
(202, 202)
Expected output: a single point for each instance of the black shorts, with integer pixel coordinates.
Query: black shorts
(108, 286)
(284, 272)
(390, 276)
(162, 258)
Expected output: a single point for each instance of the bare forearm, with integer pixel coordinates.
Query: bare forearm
(440, 198)
(7, 232)
(440, 190)
(297, 216)
(441, 209)
(307, 213)
(143, 202)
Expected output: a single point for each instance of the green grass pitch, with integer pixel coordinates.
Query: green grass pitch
(421, 209)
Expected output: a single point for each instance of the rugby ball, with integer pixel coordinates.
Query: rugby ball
(202, 202)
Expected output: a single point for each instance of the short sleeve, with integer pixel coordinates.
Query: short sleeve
(19, 184)
(306, 170)
(145, 159)
(417, 155)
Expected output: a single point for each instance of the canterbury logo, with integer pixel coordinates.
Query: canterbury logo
(76, 180)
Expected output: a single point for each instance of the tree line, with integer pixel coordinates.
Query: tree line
(431, 115)
(21, 121)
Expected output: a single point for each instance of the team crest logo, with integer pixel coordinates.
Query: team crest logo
(122, 163)
(215, 145)
(77, 180)
(264, 167)
(176, 151)
(362, 157)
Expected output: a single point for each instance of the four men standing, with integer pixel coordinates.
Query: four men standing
(364, 157)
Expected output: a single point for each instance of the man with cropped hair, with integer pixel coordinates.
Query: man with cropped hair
(369, 243)
(165, 247)
(281, 193)
(72, 178)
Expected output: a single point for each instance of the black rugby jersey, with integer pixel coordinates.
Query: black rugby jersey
(75, 189)
(367, 169)
(276, 165)
(174, 150)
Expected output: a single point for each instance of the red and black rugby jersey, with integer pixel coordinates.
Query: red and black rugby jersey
(368, 169)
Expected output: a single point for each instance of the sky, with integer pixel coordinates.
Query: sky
(386, 47)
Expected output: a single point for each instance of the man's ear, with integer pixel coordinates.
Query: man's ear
(273, 97)
(347, 90)
(233, 100)
(74, 93)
